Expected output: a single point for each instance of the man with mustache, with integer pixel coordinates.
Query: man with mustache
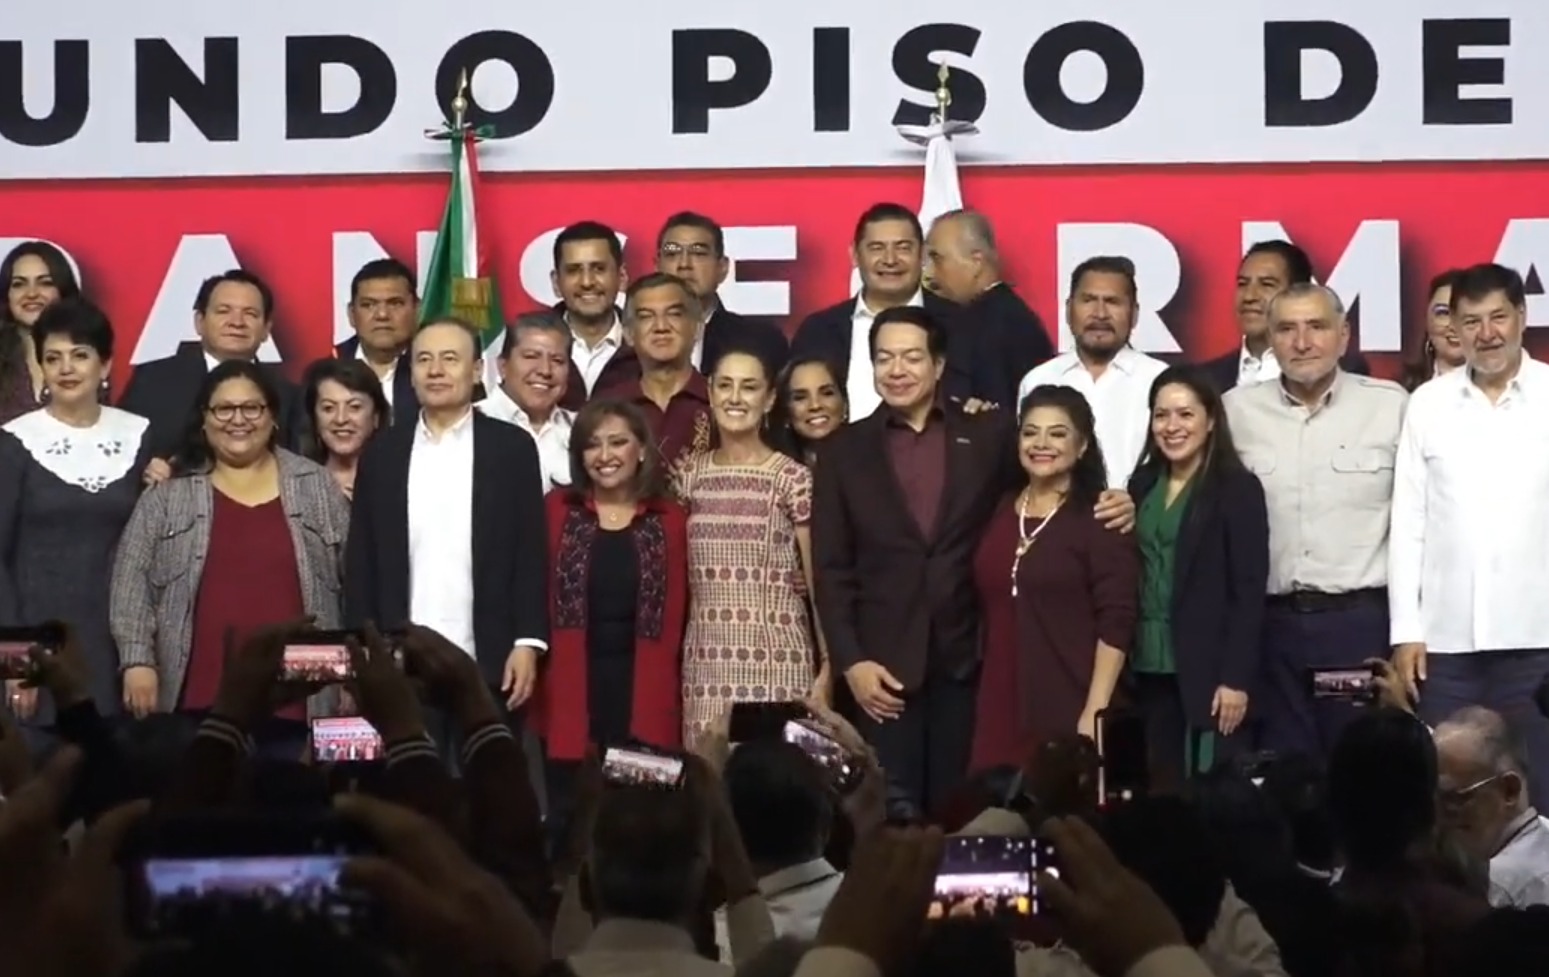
(384, 310)
(1267, 269)
(233, 316)
(1322, 441)
(588, 274)
(1114, 377)
(534, 375)
(1467, 566)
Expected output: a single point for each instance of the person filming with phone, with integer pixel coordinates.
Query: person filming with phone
(251, 534)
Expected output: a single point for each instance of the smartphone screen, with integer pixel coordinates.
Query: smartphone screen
(1125, 771)
(762, 720)
(827, 751)
(322, 659)
(637, 768)
(345, 739)
(989, 877)
(1357, 684)
(193, 877)
(16, 645)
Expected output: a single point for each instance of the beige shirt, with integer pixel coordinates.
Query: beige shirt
(1327, 473)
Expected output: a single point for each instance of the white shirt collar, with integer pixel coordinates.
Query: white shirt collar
(1520, 385)
(459, 430)
(613, 338)
(1126, 361)
(503, 407)
(864, 311)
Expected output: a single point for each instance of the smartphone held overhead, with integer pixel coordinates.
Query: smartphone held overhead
(990, 877)
(637, 766)
(16, 646)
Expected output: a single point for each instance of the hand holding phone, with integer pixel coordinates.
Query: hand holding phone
(845, 769)
(1352, 683)
(346, 739)
(16, 646)
(318, 658)
(1124, 772)
(990, 877)
(640, 767)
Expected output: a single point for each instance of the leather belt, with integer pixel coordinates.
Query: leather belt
(1323, 602)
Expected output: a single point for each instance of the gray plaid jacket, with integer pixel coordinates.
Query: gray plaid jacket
(161, 555)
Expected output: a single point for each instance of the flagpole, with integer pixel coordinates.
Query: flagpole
(472, 298)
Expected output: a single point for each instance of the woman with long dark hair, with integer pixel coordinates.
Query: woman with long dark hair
(345, 407)
(1203, 531)
(810, 405)
(1441, 348)
(1056, 588)
(246, 535)
(36, 275)
(69, 479)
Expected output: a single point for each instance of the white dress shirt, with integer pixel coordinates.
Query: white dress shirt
(552, 437)
(386, 377)
(441, 531)
(1468, 567)
(591, 359)
(1120, 399)
(860, 380)
(1256, 369)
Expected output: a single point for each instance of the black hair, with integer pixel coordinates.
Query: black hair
(240, 276)
(1089, 478)
(688, 218)
(383, 269)
(1184, 870)
(877, 213)
(780, 420)
(354, 376)
(12, 369)
(1382, 785)
(77, 320)
(1105, 264)
(1479, 282)
(935, 332)
(647, 856)
(1221, 455)
(544, 320)
(588, 231)
(194, 454)
(1298, 266)
(781, 801)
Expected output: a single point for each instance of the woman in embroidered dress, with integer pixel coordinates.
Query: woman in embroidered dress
(750, 557)
(69, 478)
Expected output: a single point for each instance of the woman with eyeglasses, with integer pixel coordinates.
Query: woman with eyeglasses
(69, 479)
(247, 535)
(35, 275)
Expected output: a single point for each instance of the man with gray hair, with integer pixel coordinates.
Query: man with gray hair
(997, 338)
(1322, 442)
(1484, 800)
(534, 377)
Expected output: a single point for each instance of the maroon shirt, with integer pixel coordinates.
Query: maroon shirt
(684, 427)
(250, 581)
(919, 460)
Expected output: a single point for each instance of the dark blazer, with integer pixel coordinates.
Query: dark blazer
(1220, 574)
(405, 403)
(995, 340)
(886, 592)
(623, 367)
(510, 539)
(826, 333)
(1223, 369)
(163, 392)
(727, 329)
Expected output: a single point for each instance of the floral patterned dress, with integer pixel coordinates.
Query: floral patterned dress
(749, 638)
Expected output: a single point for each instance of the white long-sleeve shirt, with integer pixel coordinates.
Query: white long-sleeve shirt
(1468, 557)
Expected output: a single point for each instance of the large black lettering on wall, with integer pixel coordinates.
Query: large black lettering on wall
(72, 95)
(534, 80)
(694, 95)
(1284, 103)
(830, 79)
(916, 61)
(1126, 76)
(1445, 71)
(305, 117)
(163, 79)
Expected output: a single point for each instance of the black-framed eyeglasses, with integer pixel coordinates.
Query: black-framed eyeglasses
(226, 413)
(693, 251)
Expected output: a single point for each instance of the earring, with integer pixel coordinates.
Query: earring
(1430, 348)
(104, 391)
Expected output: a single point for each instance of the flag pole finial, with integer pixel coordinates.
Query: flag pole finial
(943, 92)
(460, 101)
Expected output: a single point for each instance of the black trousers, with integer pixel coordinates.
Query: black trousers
(925, 751)
(1178, 751)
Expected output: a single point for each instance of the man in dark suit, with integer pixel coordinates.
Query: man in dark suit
(692, 247)
(384, 310)
(1269, 268)
(900, 500)
(588, 274)
(887, 250)
(447, 528)
(233, 316)
(996, 339)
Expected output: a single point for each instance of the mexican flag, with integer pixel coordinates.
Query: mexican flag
(460, 281)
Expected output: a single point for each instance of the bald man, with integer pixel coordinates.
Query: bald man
(1484, 801)
(997, 338)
